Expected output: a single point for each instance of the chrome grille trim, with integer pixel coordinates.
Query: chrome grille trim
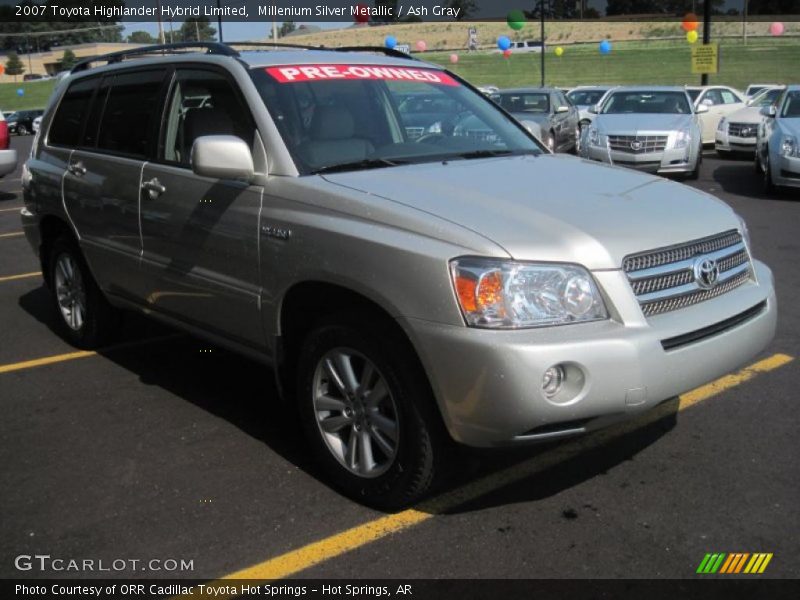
(662, 306)
(664, 279)
(671, 254)
(649, 143)
(735, 129)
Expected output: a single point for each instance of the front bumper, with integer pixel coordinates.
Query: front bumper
(787, 173)
(488, 383)
(8, 161)
(671, 160)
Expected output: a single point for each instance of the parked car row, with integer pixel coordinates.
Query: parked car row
(20, 122)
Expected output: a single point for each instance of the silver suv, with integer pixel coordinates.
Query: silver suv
(406, 291)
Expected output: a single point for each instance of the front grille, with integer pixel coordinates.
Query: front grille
(637, 144)
(743, 130)
(664, 279)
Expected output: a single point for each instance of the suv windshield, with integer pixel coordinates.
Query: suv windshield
(585, 97)
(791, 105)
(766, 98)
(647, 102)
(343, 116)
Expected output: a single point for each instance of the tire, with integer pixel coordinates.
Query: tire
(577, 148)
(400, 427)
(83, 314)
(695, 173)
(725, 154)
(550, 142)
(22, 130)
(769, 186)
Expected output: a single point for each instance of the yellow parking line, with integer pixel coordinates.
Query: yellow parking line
(57, 358)
(20, 276)
(13, 234)
(294, 561)
(17, 208)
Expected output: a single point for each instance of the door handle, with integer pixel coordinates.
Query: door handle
(77, 169)
(154, 188)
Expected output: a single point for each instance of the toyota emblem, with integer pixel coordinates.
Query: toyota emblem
(706, 272)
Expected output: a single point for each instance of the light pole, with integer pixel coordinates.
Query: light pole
(219, 21)
(541, 27)
(706, 33)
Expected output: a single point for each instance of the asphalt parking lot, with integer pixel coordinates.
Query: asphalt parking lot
(167, 448)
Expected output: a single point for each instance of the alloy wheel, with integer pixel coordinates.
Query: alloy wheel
(70, 291)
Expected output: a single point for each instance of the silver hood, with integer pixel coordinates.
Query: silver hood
(749, 114)
(538, 118)
(552, 207)
(633, 123)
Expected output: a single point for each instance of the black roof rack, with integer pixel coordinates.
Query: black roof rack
(113, 57)
(226, 49)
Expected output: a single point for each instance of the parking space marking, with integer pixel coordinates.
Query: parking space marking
(17, 208)
(12, 234)
(57, 358)
(303, 558)
(20, 276)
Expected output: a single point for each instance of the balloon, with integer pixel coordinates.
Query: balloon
(605, 47)
(503, 43)
(20, 92)
(507, 53)
(691, 36)
(422, 46)
(2, 69)
(362, 13)
(776, 28)
(690, 22)
(390, 42)
(516, 20)
(559, 51)
(454, 58)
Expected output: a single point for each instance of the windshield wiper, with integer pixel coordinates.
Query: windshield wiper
(491, 153)
(359, 165)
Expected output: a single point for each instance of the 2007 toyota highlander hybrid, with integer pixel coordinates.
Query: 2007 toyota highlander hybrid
(406, 286)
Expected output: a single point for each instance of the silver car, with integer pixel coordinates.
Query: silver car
(545, 109)
(652, 129)
(778, 143)
(405, 292)
(738, 131)
(585, 97)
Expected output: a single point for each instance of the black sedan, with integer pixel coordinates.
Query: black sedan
(21, 122)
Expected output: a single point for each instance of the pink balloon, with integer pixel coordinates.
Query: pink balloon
(422, 46)
(454, 58)
(776, 28)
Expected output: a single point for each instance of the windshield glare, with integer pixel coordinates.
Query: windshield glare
(791, 106)
(368, 116)
(586, 97)
(766, 98)
(647, 102)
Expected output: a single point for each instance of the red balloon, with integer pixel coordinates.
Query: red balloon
(362, 13)
(690, 22)
(507, 53)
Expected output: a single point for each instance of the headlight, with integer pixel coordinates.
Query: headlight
(501, 294)
(723, 124)
(789, 146)
(682, 139)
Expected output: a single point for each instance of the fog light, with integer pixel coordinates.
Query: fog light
(552, 380)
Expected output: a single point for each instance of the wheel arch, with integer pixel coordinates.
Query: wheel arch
(51, 227)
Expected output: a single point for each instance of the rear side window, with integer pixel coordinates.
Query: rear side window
(130, 114)
(67, 122)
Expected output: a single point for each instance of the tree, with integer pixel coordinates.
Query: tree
(14, 66)
(287, 27)
(68, 60)
(197, 29)
(467, 8)
(141, 37)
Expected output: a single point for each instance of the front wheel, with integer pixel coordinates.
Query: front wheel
(769, 184)
(22, 130)
(366, 409)
(84, 315)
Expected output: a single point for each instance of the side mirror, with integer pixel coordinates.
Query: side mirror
(768, 111)
(593, 109)
(701, 108)
(562, 109)
(222, 157)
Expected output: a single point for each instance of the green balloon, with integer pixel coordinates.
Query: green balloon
(516, 20)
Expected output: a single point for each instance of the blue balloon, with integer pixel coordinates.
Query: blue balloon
(503, 42)
(605, 47)
(390, 41)
(20, 92)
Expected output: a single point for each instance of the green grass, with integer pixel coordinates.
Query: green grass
(656, 62)
(36, 94)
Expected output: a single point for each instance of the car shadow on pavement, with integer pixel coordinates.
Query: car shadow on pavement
(7, 196)
(244, 393)
(738, 177)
